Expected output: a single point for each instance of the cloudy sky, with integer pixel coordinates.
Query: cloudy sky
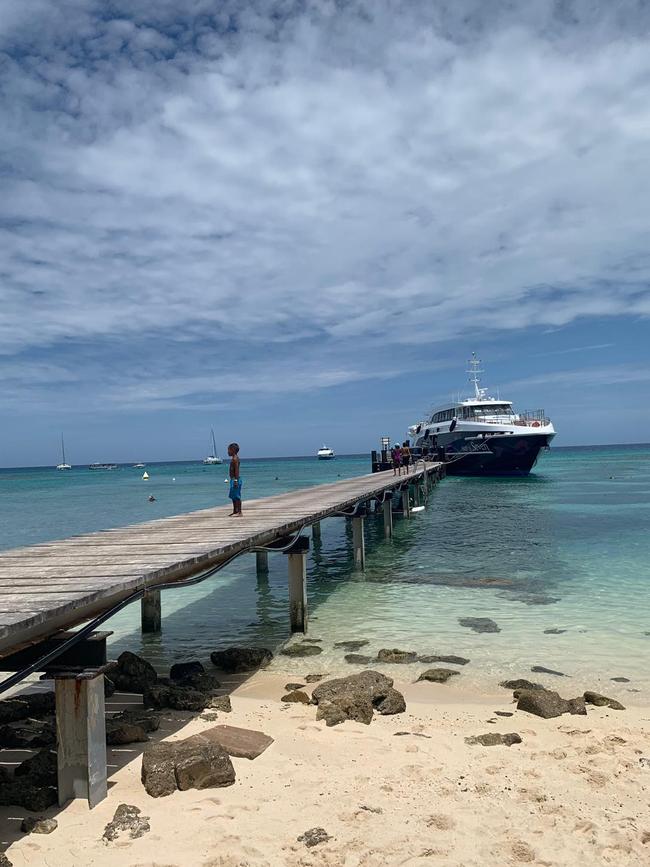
(293, 220)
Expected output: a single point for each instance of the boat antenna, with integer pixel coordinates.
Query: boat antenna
(474, 370)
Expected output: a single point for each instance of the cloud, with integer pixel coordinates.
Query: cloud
(315, 184)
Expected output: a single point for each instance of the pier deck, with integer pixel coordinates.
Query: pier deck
(55, 585)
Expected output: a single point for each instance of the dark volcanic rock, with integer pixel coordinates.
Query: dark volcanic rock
(554, 631)
(520, 683)
(391, 703)
(479, 624)
(297, 696)
(351, 645)
(183, 670)
(127, 820)
(357, 659)
(493, 739)
(30, 734)
(314, 836)
(453, 660)
(238, 659)
(547, 704)
(354, 697)
(312, 640)
(132, 673)
(130, 727)
(620, 679)
(531, 598)
(175, 697)
(301, 649)
(291, 686)
(24, 792)
(187, 764)
(504, 713)
(602, 700)
(38, 825)
(221, 703)
(40, 769)
(314, 678)
(399, 657)
(31, 704)
(438, 675)
(539, 669)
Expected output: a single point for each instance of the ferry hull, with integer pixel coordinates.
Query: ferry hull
(505, 456)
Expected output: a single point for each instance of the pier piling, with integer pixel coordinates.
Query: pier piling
(358, 543)
(388, 515)
(297, 564)
(81, 737)
(150, 611)
(262, 562)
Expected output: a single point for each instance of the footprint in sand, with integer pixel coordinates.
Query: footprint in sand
(521, 851)
(441, 822)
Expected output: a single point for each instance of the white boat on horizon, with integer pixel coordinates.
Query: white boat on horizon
(214, 457)
(325, 453)
(483, 435)
(63, 465)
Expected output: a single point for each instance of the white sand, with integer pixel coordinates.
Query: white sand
(574, 792)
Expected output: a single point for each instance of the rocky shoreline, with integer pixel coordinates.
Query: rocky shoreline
(206, 758)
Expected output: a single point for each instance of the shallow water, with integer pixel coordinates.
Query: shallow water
(566, 548)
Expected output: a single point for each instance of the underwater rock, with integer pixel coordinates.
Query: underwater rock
(554, 631)
(437, 675)
(397, 657)
(539, 669)
(454, 660)
(479, 624)
(234, 660)
(351, 645)
(520, 683)
(301, 650)
(357, 659)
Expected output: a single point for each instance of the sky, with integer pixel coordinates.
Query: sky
(294, 220)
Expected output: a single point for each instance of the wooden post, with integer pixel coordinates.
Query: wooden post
(81, 738)
(150, 611)
(358, 543)
(315, 531)
(406, 502)
(388, 515)
(297, 560)
(262, 562)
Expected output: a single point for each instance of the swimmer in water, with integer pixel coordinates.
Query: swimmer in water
(152, 499)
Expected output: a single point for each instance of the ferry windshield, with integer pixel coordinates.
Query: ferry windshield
(497, 409)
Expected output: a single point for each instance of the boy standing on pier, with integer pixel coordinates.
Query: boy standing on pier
(235, 480)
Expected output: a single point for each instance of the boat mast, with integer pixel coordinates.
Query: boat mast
(62, 449)
(474, 369)
(214, 445)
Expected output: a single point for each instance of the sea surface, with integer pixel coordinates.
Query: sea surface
(566, 549)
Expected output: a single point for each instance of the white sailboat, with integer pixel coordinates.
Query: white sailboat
(63, 465)
(213, 458)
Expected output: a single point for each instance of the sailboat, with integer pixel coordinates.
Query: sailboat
(213, 458)
(63, 465)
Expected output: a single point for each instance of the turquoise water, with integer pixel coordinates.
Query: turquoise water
(566, 548)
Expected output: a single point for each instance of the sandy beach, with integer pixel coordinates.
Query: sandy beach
(405, 790)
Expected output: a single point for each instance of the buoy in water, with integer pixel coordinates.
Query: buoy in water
(417, 508)
(145, 475)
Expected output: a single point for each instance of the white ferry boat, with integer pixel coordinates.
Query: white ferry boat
(325, 453)
(483, 435)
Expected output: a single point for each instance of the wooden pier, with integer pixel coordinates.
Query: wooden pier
(54, 586)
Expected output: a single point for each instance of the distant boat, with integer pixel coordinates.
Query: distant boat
(139, 466)
(63, 465)
(214, 457)
(325, 453)
(102, 466)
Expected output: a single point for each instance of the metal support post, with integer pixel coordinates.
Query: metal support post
(297, 561)
(81, 737)
(388, 515)
(150, 611)
(406, 502)
(358, 543)
(416, 493)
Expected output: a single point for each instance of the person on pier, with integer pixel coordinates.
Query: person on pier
(406, 456)
(235, 480)
(396, 457)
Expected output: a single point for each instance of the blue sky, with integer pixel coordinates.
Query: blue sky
(294, 221)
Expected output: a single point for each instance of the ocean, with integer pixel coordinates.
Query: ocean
(559, 560)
